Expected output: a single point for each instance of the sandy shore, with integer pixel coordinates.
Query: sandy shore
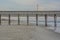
(15, 32)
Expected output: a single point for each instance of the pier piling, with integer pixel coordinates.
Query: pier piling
(36, 19)
(46, 20)
(0, 19)
(55, 20)
(18, 19)
(27, 19)
(9, 20)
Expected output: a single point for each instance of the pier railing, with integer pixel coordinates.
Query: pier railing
(30, 13)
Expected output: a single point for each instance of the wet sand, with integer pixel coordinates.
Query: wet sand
(20, 32)
(16, 32)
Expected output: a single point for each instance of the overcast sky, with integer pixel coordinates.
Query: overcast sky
(29, 5)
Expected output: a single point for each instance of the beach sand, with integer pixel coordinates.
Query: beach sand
(24, 32)
(16, 32)
(20, 32)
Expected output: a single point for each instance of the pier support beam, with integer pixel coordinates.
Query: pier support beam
(55, 20)
(9, 20)
(46, 20)
(27, 19)
(0, 19)
(36, 19)
(18, 19)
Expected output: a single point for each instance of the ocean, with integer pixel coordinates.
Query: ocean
(41, 20)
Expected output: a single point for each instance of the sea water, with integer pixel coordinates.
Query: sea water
(41, 20)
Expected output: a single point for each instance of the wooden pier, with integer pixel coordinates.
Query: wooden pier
(30, 13)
